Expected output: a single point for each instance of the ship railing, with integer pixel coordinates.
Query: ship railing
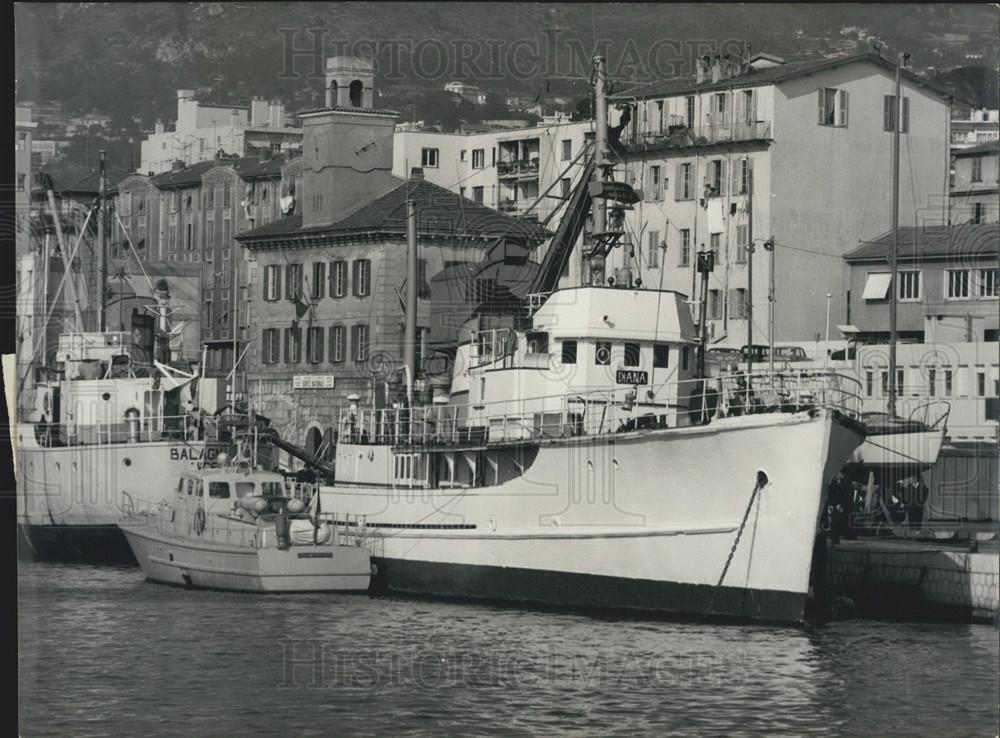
(149, 429)
(598, 412)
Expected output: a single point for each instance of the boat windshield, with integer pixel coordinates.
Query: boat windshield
(244, 489)
(271, 489)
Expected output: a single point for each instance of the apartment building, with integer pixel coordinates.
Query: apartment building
(797, 154)
(979, 126)
(202, 131)
(525, 172)
(975, 183)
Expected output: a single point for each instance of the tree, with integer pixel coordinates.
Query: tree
(583, 110)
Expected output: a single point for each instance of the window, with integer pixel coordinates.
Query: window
(318, 280)
(210, 197)
(683, 190)
(478, 158)
(977, 169)
(889, 116)
(423, 286)
(714, 304)
(293, 345)
(429, 158)
(314, 345)
(742, 241)
(569, 352)
(714, 244)
(462, 155)
(602, 354)
(359, 343)
(567, 149)
(715, 176)
(738, 303)
(227, 195)
(189, 240)
(269, 345)
(958, 284)
(219, 490)
(832, 107)
(227, 237)
(689, 110)
(653, 257)
(869, 383)
(685, 246)
(909, 286)
(931, 382)
(338, 278)
(336, 344)
(207, 315)
(631, 354)
(477, 195)
(172, 238)
(988, 285)
(947, 382)
(361, 277)
(661, 355)
(744, 178)
(564, 187)
(685, 357)
(877, 286)
(461, 191)
(977, 212)
(720, 109)
(654, 185)
(980, 383)
(293, 288)
(659, 116)
(272, 282)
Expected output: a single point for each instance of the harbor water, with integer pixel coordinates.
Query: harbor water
(104, 653)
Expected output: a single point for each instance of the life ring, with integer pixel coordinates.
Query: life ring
(199, 521)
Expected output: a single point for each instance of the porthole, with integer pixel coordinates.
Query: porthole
(127, 461)
(106, 396)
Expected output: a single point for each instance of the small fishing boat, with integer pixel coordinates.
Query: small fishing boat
(243, 529)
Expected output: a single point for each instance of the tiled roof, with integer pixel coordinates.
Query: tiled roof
(965, 242)
(253, 168)
(68, 177)
(987, 147)
(773, 75)
(187, 177)
(440, 212)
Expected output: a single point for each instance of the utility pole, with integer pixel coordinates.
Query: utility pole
(749, 275)
(410, 334)
(706, 264)
(769, 247)
(102, 266)
(893, 257)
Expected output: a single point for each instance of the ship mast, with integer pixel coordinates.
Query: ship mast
(598, 204)
(893, 256)
(102, 262)
(410, 335)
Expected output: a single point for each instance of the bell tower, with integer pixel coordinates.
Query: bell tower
(350, 82)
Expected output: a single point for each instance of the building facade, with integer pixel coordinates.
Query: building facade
(947, 284)
(794, 154)
(978, 127)
(327, 295)
(975, 184)
(202, 131)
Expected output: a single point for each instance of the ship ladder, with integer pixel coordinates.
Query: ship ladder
(761, 483)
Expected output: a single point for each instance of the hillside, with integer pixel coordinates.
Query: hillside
(128, 59)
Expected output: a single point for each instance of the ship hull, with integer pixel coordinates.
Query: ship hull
(641, 521)
(172, 560)
(69, 498)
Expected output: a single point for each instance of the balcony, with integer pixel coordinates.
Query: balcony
(680, 136)
(518, 168)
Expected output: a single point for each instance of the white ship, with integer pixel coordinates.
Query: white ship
(575, 456)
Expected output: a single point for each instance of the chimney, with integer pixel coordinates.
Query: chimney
(159, 127)
(417, 173)
(701, 68)
(716, 68)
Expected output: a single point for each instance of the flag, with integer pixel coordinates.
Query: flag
(302, 305)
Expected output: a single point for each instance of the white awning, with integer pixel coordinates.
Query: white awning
(877, 286)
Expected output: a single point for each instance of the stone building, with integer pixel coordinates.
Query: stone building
(328, 288)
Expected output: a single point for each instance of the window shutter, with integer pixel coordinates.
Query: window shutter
(265, 348)
(723, 168)
(735, 176)
(318, 348)
(905, 124)
(276, 278)
(842, 111)
(822, 104)
(887, 113)
(267, 283)
(333, 279)
(678, 182)
(288, 340)
(366, 284)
